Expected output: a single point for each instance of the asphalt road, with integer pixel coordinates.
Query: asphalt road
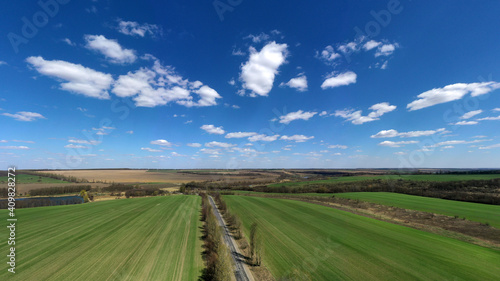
(240, 273)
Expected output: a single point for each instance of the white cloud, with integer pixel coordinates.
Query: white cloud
(400, 153)
(496, 109)
(258, 73)
(150, 149)
(194, 144)
(299, 83)
(129, 132)
(263, 138)
(286, 119)
(175, 154)
(471, 114)
(160, 85)
(211, 129)
(328, 54)
(371, 44)
(25, 116)
(461, 123)
(133, 28)
(297, 138)
(413, 134)
(219, 144)
(69, 42)
(451, 93)
(396, 144)
(355, 117)
(238, 135)
(110, 48)
(258, 38)
(79, 141)
(348, 47)
(210, 151)
(386, 50)
(15, 147)
(490, 147)
(80, 79)
(161, 142)
(336, 80)
(3, 63)
(75, 146)
(489, 118)
(338, 146)
(323, 113)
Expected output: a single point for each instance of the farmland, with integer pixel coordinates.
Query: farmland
(472, 211)
(131, 239)
(439, 178)
(27, 179)
(305, 240)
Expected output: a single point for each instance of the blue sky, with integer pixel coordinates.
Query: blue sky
(250, 84)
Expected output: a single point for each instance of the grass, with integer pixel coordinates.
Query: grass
(472, 211)
(393, 177)
(155, 238)
(321, 243)
(23, 178)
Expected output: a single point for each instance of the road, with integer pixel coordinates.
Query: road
(241, 271)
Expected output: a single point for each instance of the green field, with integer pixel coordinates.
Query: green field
(155, 238)
(321, 243)
(23, 178)
(393, 177)
(471, 211)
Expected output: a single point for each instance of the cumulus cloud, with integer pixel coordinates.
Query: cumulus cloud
(110, 48)
(80, 79)
(489, 118)
(80, 141)
(69, 42)
(133, 28)
(75, 146)
(297, 138)
(239, 135)
(15, 147)
(338, 146)
(150, 149)
(299, 83)
(160, 85)
(263, 138)
(211, 129)
(396, 144)
(357, 118)
(413, 134)
(336, 80)
(25, 116)
(194, 144)
(490, 146)
(371, 44)
(161, 142)
(258, 38)
(450, 93)
(328, 54)
(258, 73)
(298, 115)
(219, 144)
(471, 114)
(386, 50)
(461, 123)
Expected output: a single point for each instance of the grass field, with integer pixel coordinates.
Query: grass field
(22, 178)
(472, 211)
(393, 177)
(155, 238)
(321, 243)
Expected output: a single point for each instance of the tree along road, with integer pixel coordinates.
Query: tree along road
(241, 272)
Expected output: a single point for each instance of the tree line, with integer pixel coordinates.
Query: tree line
(217, 257)
(43, 201)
